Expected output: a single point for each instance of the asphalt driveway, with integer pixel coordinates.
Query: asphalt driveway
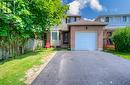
(85, 68)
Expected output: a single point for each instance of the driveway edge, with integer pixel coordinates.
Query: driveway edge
(33, 73)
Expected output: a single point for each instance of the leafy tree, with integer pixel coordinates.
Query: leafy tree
(47, 13)
(24, 19)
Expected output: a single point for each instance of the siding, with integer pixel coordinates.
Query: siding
(115, 21)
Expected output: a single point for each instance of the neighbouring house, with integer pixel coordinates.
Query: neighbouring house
(77, 34)
(114, 21)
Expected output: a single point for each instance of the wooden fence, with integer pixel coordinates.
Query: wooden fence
(31, 45)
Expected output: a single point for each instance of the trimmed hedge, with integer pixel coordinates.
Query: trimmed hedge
(121, 39)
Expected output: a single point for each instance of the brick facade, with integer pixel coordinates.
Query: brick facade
(98, 29)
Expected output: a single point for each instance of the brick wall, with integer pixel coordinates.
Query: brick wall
(98, 29)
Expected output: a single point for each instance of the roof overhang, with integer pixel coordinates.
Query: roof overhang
(87, 23)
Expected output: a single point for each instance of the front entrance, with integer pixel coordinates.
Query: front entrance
(65, 37)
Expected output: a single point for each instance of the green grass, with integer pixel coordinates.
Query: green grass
(13, 70)
(125, 55)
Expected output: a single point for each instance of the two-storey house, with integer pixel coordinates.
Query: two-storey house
(77, 34)
(113, 22)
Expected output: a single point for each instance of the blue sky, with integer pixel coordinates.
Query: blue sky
(109, 7)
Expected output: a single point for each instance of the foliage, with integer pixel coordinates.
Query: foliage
(24, 19)
(47, 13)
(121, 38)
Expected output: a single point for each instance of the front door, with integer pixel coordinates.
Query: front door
(65, 37)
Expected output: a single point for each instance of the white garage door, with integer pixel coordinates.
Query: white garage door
(86, 41)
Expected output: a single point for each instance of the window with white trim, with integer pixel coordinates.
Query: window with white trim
(54, 35)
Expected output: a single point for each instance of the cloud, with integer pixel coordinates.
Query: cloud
(77, 5)
(74, 8)
(96, 5)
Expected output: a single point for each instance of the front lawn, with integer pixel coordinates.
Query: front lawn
(125, 55)
(13, 71)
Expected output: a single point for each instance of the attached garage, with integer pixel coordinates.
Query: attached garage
(86, 35)
(86, 41)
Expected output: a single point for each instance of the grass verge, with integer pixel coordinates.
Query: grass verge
(125, 55)
(12, 71)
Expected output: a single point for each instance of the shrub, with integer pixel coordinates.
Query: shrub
(121, 39)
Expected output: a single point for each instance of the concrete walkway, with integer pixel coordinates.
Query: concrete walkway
(85, 68)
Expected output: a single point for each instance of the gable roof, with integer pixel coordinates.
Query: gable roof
(87, 23)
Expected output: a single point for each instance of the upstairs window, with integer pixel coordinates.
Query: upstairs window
(124, 18)
(75, 19)
(71, 19)
(107, 19)
(68, 20)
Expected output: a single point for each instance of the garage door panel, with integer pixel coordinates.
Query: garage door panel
(85, 41)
